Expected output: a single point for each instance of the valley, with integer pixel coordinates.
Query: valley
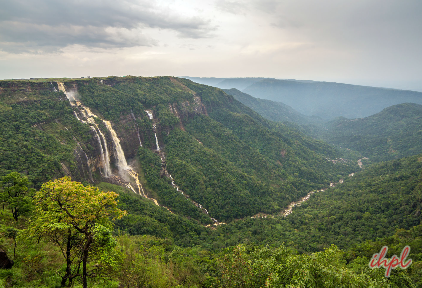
(212, 178)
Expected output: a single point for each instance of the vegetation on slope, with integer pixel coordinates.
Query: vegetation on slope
(390, 134)
(139, 261)
(393, 133)
(274, 166)
(233, 162)
(38, 131)
(372, 204)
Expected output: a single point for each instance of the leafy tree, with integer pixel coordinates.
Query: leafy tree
(77, 219)
(12, 233)
(16, 194)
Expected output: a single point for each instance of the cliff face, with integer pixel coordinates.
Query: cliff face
(190, 147)
(48, 106)
(110, 153)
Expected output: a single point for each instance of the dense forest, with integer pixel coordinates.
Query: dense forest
(39, 247)
(393, 133)
(178, 184)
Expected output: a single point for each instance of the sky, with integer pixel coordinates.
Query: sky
(365, 42)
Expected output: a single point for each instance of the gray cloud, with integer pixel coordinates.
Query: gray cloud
(359, 23)
(30, 25)
(233, 7)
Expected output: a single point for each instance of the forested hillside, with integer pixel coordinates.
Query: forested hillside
(394, 133)
(167, 259)
(39, 131)
(228, 160)
(184, 186)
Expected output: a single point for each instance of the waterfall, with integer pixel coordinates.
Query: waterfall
(154, 128)
(89, 116)
(76, 115)
(105, 157)
(107, 169)
(120, 155)
(105, 163)
(124, 169)
(156, 142)
(168, 175)
(149, 112)
(71, 95)
(137, 128)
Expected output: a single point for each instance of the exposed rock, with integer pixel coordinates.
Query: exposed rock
(5, 262)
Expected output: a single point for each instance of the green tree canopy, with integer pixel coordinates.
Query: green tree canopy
(77, 218)
(16, 194)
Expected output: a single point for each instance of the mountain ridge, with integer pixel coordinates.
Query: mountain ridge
(326, 100)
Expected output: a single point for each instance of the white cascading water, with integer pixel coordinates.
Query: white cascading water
(76, 115)
(137, 129)
(105, 157)
(154, 127)
(120, 155)
(86, 112)
(124, 169)
(163, 160)
(156, 142)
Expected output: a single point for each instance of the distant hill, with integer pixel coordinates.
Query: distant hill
(326, 100)
(271, 110)
(393, 133)
(210, 81)
(227, 83)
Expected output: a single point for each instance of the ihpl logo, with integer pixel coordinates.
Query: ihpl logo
(378, 260)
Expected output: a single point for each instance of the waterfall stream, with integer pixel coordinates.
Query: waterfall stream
(125, 171)
(154, 128)
(89, 116)
(103, 156)
(168, 175)
(137, 128)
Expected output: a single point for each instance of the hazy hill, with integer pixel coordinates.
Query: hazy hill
(271, 110)
(392, 133)
(330, 100)
(226, 83)
(326, 100)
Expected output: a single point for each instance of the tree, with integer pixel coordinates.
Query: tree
(77, 218)
(16, 194)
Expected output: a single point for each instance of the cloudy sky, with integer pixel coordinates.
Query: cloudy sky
(367, 42)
